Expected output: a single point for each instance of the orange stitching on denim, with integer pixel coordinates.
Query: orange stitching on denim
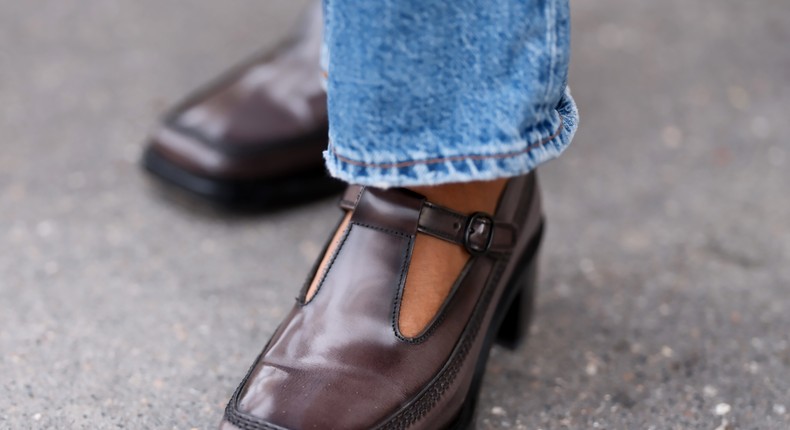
(452, 158)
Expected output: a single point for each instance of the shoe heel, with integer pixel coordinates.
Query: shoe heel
(515, 325)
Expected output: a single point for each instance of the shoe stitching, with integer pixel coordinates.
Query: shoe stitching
(426, 400)
(335, 253)
(354, 203)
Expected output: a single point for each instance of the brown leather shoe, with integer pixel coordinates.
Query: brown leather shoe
(255, 136)
(339, 360)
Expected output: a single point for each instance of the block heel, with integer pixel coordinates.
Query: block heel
(515, 324)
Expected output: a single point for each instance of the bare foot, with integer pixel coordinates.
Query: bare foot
(435, 263)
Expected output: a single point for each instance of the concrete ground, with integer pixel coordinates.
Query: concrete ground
(665, 296)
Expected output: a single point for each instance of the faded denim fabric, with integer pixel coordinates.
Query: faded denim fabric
(424, 92)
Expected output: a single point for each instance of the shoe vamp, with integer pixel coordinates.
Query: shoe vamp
(337, 361)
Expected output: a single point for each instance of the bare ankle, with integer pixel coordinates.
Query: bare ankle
(465, 197)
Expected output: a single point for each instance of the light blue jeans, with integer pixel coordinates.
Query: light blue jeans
(423, 92)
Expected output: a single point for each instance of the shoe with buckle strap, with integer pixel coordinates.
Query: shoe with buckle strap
(339, 359)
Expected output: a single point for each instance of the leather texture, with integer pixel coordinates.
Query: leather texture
(264, 119)
(339, 360)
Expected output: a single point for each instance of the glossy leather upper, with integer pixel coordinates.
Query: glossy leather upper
(339, 360)
(265, 118)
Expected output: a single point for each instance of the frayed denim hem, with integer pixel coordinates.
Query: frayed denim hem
(534, 150)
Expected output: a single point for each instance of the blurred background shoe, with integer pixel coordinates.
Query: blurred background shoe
(253, 137)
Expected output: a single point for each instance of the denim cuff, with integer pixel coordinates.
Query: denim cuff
(503, 158)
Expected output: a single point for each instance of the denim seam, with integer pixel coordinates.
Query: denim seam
(451, 158)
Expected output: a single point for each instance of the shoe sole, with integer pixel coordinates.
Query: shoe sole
(244, 194)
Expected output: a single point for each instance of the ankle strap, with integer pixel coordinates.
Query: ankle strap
(478, 233)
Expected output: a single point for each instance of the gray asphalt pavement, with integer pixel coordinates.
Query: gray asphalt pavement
(665, 284)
